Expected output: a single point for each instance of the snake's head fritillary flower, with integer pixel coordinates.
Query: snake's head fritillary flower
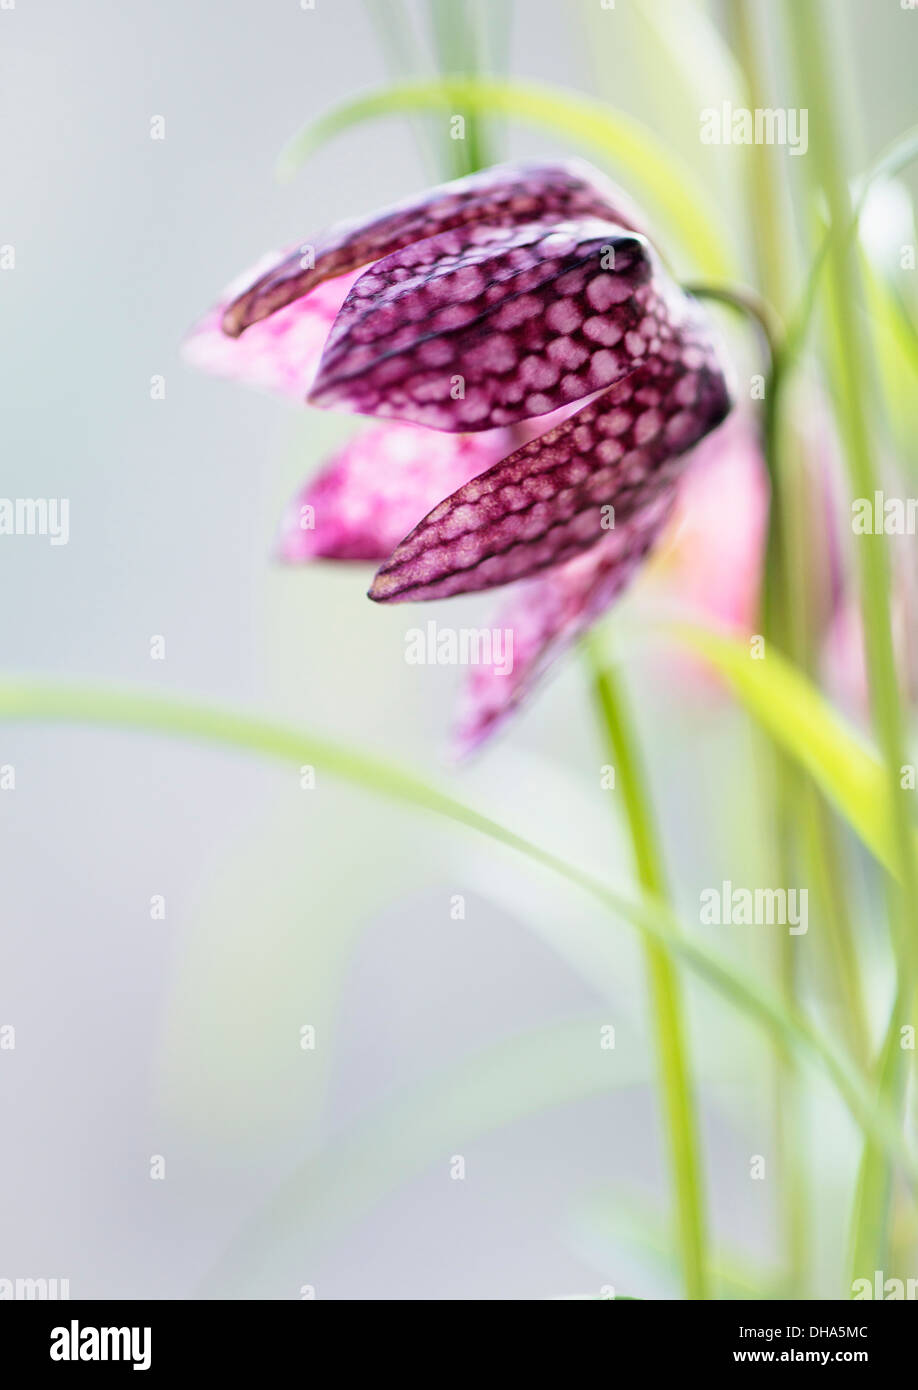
(522, 292)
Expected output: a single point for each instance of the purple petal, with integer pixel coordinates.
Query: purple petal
(280, 355)
(545, 615)
(375, 488)
(504, 196)
(549, 500)
(475, 337)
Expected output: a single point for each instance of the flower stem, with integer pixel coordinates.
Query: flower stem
(675, 1080)
(748, 301)
(789, 785)
(457, 42)
(812, 30)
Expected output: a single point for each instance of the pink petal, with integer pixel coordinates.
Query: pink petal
(549, 500)
(281, 354)
(504, 196)
(375, 488)
(545, 615)
(713, 566)
(460, 336)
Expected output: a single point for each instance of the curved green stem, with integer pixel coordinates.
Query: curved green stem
(675, 1073)
(748, 301)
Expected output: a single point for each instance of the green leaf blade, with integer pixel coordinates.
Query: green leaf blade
(803, 723)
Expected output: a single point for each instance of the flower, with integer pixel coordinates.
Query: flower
(522, 292)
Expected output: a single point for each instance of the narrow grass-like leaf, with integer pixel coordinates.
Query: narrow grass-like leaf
(897, 157)
(888, 320)
(804, 724)
(35, 701)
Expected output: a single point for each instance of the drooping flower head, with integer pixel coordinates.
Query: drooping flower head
(522, 292)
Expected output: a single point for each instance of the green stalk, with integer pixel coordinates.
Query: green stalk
(680, 1121)
(812, 32)
(778, 606)
(871, 1233)
(780, 621)
(456, 46)
(787, 607)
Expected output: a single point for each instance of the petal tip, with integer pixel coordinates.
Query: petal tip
(232, 322)
(383, 589)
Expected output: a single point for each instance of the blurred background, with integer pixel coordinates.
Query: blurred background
(329, 1168)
